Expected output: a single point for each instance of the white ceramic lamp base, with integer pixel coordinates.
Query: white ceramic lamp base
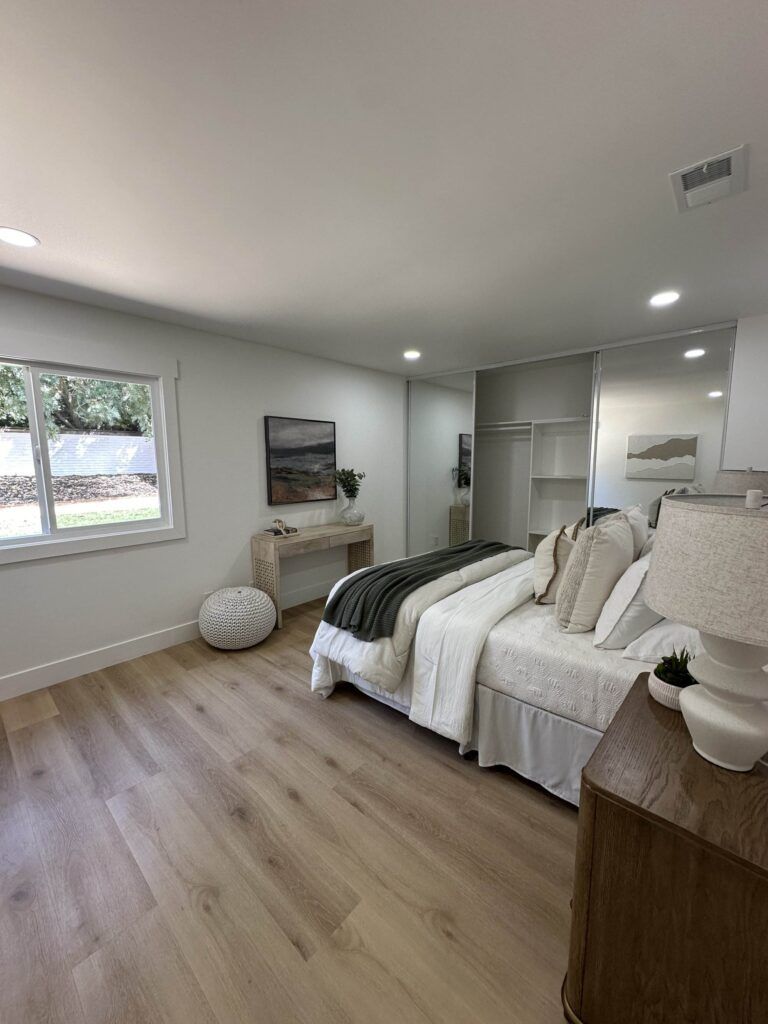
(727, 714)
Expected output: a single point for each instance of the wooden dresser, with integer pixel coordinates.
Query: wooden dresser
(670, 906)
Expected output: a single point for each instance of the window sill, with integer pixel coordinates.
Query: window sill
(32, 548)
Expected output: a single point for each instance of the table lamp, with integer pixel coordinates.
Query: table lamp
(709, 569)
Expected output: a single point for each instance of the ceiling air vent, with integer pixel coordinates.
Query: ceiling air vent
(710, 180)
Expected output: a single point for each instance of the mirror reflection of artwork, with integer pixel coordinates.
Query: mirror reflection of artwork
(301, 460)
(661, 456)
(465, 454)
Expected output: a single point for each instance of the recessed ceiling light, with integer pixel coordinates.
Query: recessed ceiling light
(15, 237)
(664, 298)
(715, 394)
(411, 353)
(695, 353)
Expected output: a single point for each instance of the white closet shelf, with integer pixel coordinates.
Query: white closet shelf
(558, 476)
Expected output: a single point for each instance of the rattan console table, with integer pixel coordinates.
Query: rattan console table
(268, 551)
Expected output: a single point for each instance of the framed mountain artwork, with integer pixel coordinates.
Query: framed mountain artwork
(661, 456)
(301, 460)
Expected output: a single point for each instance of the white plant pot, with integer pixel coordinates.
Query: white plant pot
(664, 693)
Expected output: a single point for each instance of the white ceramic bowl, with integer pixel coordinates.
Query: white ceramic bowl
(664, 693)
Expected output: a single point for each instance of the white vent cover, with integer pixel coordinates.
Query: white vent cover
(710, 180)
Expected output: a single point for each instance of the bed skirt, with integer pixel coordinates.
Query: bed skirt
(542, 747)
(537, 744)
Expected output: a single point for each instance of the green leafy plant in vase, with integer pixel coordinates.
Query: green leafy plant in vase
(670, 676)
(349, 482)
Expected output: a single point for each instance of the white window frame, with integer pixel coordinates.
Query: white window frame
(170, 525)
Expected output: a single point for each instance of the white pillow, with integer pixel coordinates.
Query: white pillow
(659, 641)
(601, 555)
(547, 576)
(638, 523)
(648, 546)
(625, 615)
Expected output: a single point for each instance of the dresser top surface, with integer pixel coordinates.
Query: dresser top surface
(646, 760)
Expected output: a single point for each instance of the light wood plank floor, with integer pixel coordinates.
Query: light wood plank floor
(193, 838)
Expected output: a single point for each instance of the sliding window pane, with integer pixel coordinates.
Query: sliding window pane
(101, 450)
(19, 506)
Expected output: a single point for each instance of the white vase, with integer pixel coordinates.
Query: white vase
(664, 693)
(351, 515)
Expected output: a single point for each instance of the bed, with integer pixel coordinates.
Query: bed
(530, 697)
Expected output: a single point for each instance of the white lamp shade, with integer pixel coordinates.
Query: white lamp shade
(709, 567)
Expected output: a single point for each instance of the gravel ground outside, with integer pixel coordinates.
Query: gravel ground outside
(22, 490)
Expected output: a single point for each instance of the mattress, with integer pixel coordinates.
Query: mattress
(526, 656)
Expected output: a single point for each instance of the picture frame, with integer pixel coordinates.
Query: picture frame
(661, 456)
(301, 460)
(465, 453)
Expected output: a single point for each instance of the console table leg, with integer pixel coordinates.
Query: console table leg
(359, 555)
(266, 578)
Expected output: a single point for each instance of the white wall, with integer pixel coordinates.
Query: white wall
(651, 388)
(438, 414)
(746, 443)
(61, 608)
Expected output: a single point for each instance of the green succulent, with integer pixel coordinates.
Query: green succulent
(674, 669)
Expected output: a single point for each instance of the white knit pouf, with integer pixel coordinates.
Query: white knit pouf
(237, 617)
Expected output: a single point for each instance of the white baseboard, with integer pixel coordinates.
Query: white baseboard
(29, 679)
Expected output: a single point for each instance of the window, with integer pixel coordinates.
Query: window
(84, 461)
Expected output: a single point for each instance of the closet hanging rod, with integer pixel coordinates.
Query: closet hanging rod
(520, 424)
(494, 429)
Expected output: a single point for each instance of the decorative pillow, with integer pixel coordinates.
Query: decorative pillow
(648, 546)
(625, 615)
(549, 561)
(599, 558)
(638, 523)
(660, 640)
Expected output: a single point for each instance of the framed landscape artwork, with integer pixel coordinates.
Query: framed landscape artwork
(301, 460)
(661, 456)
(465, 452)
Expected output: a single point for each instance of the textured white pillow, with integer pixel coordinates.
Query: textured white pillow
(625, 615)
(659, 641)
(648, 546)
(638, 523)
(601, 555)
(547, 580)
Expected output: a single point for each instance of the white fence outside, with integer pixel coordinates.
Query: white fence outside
(79, 454)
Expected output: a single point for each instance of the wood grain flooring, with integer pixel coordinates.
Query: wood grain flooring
(193, 838)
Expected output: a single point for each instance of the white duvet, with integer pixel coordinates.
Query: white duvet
(449, 642)
(440, 631)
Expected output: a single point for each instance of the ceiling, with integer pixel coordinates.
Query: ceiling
(481, 180)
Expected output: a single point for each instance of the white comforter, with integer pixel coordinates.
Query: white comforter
(449, 642)
(440, 633)
(383, 662)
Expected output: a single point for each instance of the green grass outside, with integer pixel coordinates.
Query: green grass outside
(65, 519)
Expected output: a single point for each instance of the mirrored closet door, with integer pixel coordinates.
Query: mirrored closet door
(661, 417)
(440, 425)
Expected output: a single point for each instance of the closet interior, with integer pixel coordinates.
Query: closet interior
(531, 448)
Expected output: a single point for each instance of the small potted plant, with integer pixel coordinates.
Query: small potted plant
(349, 481)
(669, 677)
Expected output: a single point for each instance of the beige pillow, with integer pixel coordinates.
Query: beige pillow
(549, 562)
(600, 556)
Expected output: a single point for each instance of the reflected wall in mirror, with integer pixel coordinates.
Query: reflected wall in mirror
(440, 410)
(665, 409)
